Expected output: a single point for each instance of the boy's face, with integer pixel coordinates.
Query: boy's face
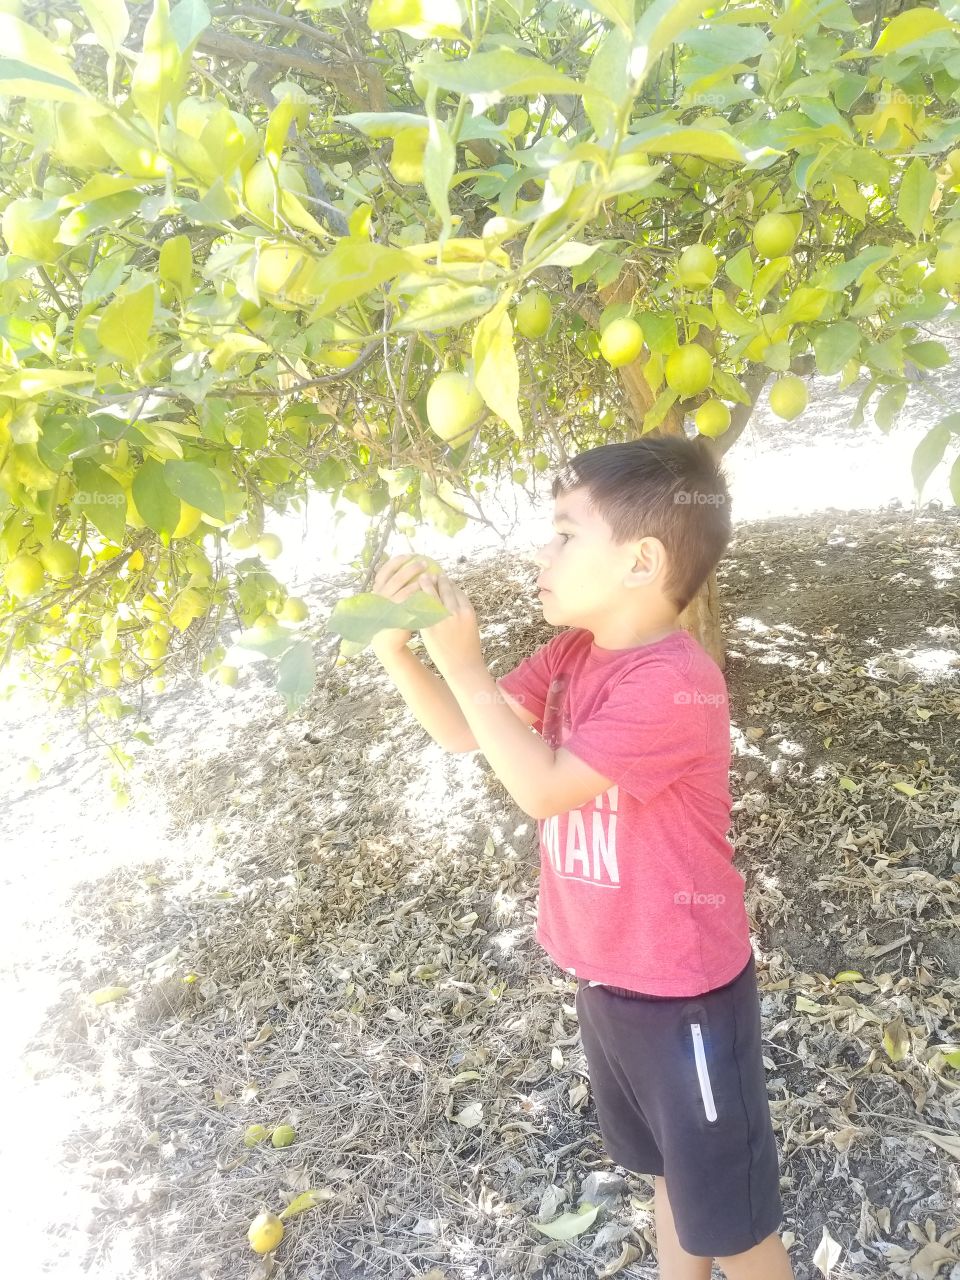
(613, 591)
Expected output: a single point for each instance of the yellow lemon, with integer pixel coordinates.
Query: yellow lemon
(110, 673)
(774, 235)
(294, 610)
(241, 538)
(260, 194)
(697, 266)
(283, 274)
(190, 517)
(23, 576)
(534, 314)
(269, 546)
(256, 1132)
(60, 559)
(946, 266)
(228, 675)
(621, 342)
(788, 396)
(688, 370)
(406, 156)
(283, 1135)
(29, 231)
(265, 1232)
(453, 406)
(712, 418)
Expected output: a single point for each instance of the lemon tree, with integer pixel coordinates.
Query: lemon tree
(436, 255)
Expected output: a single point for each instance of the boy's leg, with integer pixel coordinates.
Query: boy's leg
(767, 1260)
(674, 1261)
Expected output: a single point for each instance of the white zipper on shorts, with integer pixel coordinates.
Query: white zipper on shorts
(705, 1090)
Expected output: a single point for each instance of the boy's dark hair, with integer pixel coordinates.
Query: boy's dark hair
(666, 487)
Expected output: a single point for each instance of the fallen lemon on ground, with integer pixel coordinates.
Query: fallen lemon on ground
(621, 342)
(228, 675)
(788, 396)
(265, 1232)
(284, 1135)
(254, 1134)
(688, 370)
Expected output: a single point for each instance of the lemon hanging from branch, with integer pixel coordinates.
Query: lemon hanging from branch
(453, 406)
(688, 370)
(621, 342)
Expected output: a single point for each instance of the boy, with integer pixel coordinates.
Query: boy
(629, 783)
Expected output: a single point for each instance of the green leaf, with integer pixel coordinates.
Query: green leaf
(916, 191)
(834, 345)
(160, 72)
(176, 264)
(729, 318)
(296, 674)
(659, 330)
(353, 268)
(710, 144)
(739, 269)
(889, 405)
(101, 499)
(929, 355)
(110, 21)
(124, 327)
(440, 306)
(88, 218)
(658, 27)
(439, 162)
(619, 12)
(606, 87)
(929, 454)
(769, 275)
(498, 74)
(31, 67)
(361, 616)
(569, 1225)
(383, 124)
(495, 370)
(423, 19)
(197, 484)
(659, 409)
(846, 273)
(27, 383)
(159, 508)
(907, 27)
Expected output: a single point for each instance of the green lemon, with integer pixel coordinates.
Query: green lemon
(788, 396)
(688, 370)
(697, 266)
(712, 418)
(534, 314)
(621, 342)
(774, 234)
(453, 406)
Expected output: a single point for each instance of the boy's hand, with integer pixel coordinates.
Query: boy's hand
(397, 579)
(453, 643)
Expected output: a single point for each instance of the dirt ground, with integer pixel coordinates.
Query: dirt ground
(327, 921)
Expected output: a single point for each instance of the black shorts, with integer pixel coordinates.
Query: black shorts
(680, 1091)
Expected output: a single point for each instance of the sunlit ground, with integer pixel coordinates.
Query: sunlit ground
(63, 834)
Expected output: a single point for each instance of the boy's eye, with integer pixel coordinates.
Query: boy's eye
(567, 536)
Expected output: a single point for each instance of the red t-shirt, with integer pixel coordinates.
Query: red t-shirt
(637, 886)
